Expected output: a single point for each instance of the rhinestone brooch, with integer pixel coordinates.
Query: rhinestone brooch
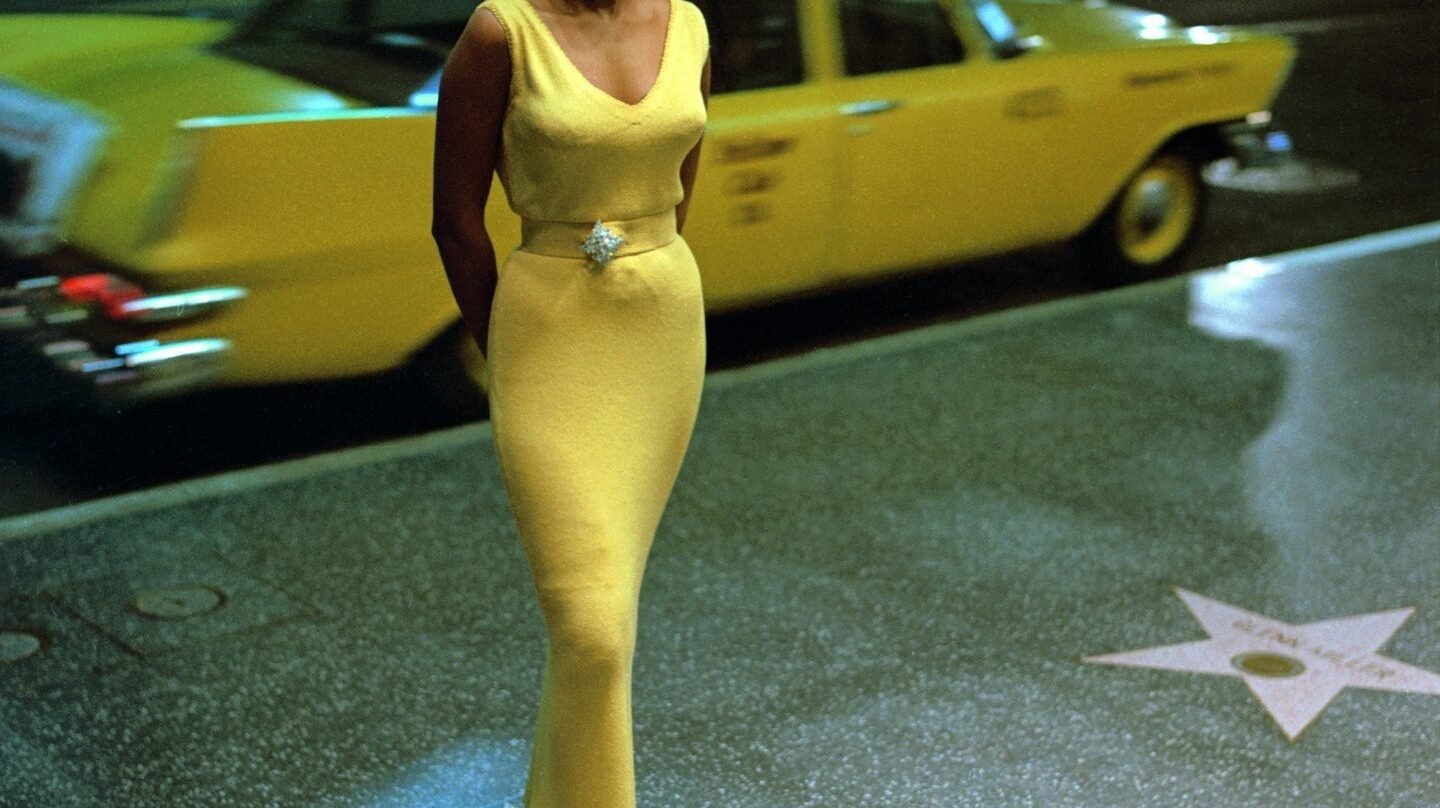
(601, 244)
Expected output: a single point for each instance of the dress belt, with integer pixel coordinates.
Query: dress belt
(564, 239)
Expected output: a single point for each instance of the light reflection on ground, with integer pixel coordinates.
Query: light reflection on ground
(474, 773)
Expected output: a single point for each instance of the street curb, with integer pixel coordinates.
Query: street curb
(248, 479)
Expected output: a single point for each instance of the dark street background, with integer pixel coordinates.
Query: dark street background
(1362, 99)
(1195, 12)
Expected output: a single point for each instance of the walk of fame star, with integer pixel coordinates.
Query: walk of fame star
(1294, 670)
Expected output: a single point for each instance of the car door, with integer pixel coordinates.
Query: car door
(925, 157)
(764, 207)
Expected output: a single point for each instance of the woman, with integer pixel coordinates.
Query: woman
(591, 112)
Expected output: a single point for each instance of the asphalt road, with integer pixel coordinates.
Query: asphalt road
(1362, 101)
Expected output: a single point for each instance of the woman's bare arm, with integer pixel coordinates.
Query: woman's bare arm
(692, 160)
(474, 91)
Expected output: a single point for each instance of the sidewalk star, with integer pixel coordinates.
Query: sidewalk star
(1294, 670)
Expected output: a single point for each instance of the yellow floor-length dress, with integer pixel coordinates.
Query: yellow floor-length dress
(596, 372)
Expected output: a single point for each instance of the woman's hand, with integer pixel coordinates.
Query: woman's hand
(474, 92)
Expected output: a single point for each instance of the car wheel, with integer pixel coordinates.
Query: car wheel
(1151, 221)
(449, 377)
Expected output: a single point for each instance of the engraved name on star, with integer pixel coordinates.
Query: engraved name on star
(1294, 670)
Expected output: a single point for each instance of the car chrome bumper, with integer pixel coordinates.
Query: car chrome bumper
(1256, 142)
(89, 357)
(134, 371)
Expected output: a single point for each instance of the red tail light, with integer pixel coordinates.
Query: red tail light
(109, 291)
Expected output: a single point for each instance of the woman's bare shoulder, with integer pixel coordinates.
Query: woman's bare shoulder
(487, 27)
(479, 63)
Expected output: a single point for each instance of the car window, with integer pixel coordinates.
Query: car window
(884, 35)
(210, 9)
(753, 44)
(386, 52)
(440, 21)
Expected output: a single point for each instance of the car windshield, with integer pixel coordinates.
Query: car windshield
(432, 22)
(218, 9)
(387, 52)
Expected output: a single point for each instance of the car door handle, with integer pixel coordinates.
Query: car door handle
(756, 148)
(869, 107)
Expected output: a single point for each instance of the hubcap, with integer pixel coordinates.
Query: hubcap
(1154, 202)
(1158, 211)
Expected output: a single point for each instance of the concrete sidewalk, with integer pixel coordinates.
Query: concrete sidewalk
(901, 573)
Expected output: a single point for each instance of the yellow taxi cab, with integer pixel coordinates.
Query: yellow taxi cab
(199, 202)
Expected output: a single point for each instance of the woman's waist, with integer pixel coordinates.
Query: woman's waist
(598, 240)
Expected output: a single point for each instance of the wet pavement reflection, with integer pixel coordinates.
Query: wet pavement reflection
(1350, 457)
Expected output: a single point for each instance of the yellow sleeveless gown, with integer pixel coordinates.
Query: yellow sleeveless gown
(595, 375)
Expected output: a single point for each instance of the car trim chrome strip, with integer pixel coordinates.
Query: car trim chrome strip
(181, 304)
(177, 350)
(212, 121)
(869, 107)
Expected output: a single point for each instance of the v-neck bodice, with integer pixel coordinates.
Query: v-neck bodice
(659, 71)
(572, 152)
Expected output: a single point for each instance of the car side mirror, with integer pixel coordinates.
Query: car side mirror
(1017, 46)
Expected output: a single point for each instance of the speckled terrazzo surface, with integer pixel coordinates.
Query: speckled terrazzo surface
(874, 586)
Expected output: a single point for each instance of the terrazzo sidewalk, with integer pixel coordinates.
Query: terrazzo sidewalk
(891, 574)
